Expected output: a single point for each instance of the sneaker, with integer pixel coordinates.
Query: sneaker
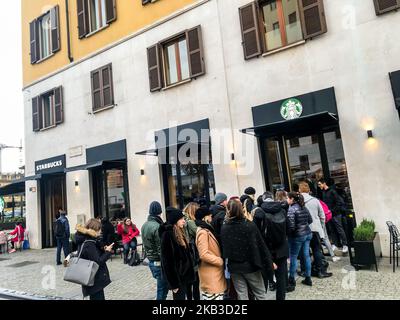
(307, 281)
(345, 249)
(335, 259)
(334, 248)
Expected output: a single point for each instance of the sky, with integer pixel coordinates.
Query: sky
(11, 98)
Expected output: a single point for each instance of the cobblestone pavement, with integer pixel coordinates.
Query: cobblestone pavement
(42, 277)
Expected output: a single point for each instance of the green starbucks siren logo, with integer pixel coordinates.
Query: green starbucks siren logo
(291, 109)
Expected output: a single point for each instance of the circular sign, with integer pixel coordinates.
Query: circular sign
(2, 203)
(291, 109)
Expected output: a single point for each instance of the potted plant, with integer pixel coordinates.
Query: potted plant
(367, 246)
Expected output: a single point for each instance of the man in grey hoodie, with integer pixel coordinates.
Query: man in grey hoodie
(317, 213)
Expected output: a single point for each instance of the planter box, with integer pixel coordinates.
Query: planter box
(367, 252)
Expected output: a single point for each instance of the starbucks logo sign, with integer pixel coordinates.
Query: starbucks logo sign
(291, 109)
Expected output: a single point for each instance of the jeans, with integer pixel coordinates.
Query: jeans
(193, 289)
(162, 285)
(64, 244)
(242, 282)
(337, 225)
(128, 246)
(295, 245)
(327, 243)
(98, 295)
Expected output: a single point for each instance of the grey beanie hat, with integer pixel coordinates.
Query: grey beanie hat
(220, 197)
(155, 209)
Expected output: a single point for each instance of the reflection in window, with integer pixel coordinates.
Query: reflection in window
(97, 14)
(177, 62)
(45, 36)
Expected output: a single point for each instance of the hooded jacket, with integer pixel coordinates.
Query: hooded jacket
(333, 200)
(298, 221)
(93, 252)
(151, 238)
(317, 213)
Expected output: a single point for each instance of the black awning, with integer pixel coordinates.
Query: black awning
(316, 121)
(15, 187)
(93, 165)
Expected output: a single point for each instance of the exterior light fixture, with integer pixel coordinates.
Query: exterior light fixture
(76, 183)
(232, 156)
(142, 172)
(370, 134)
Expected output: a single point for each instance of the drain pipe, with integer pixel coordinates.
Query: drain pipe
(71, 59)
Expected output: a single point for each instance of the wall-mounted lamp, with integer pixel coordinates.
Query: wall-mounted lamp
(370, 134)
(76, 183)
(232, 156)
(142, 172)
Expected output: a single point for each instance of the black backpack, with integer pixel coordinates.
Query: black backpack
(134, 259)
(275, 229)
(59, 229)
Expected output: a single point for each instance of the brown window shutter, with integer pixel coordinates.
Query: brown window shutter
(312, 18)
(36, 114)
(83, 18)
(383, 6)
(195, 52)
(96, 89)
(59, 105)
(55, 29)
(34, 41)
(107, 86)
(155, 67)
(250, 30)
(111, 10)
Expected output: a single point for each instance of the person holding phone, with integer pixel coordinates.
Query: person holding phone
(88, 240)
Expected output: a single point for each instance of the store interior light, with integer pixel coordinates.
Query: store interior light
(370, 134)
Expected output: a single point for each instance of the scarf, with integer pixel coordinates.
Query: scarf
(204, 225)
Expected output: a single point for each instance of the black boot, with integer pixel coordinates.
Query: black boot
(125, 257)
(291, 285)
(307, 281)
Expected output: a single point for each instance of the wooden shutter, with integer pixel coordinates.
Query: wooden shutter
(195, 51)
(155, 67)
(55, 28)
(97, 96)
(35, 55)
(250, 30)
(382, 6)
(312, 16)
(59, 105)
(111, 10)
(36, 114)
(107, 86)
(83, 18)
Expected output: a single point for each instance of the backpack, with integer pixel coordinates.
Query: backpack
(275, 229)
(134, 258)
(59, 230)
(328, 213)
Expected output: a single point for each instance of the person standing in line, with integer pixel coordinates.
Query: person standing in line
(62, 234)
(248, 201)
(336, 204)
(325, 240)
(218, 213)
(211, 268)
(176, 257)
(152, 246)
(299, 237)
(247, 254)
(281, 196)
(128, 231)
(193, 290)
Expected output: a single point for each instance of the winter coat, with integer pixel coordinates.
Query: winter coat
(18, 234)
(244, 247)
(65, 222)
(151, 238)
(334, 201)
(93, 252)
(271, 221)
(176, 261)
(317, 213)
(133, 232)
(211, 268)
(218, 214)
(108, 233)
(298, 221)
(191, 228)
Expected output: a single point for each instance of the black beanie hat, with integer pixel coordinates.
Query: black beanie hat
(173, 215)
(250, 191)
(202, 212)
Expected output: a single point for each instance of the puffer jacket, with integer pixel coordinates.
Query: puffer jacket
(151, 238)
(298, 221)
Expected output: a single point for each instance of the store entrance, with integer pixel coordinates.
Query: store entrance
(290, 159)
(53, 198)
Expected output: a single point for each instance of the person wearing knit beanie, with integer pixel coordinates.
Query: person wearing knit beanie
(174, 215)
(155, 208)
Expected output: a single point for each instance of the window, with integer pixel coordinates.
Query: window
(45, 35)
(47, 109)
(268, 25)
(383, 6)
(94, 15)
(102, 88)
(177, 59)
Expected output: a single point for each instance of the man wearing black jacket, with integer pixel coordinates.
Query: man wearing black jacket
(218, 213)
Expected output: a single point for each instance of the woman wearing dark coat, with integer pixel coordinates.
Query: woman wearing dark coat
(87, 239)
(107, 232)
(176, 259)
(247, 253)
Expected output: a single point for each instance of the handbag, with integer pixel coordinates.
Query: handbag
(81, 271)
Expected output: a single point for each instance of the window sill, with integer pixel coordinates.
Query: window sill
(299, 43)
(48, 128)
(103, 109)
(176, 84)
(44, 59)
(96, 31)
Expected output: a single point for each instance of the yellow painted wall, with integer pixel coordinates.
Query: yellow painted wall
(131, 17)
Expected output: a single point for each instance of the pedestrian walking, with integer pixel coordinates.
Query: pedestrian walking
(128, 231)
(211, 268)
(246, 252)
(152, 246)
(176, 258)
(89, 244)
(193, 289)
(62, 235)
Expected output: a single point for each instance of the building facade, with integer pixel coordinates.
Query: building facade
(275, 92)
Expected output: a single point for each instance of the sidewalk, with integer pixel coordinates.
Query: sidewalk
(34, 272)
